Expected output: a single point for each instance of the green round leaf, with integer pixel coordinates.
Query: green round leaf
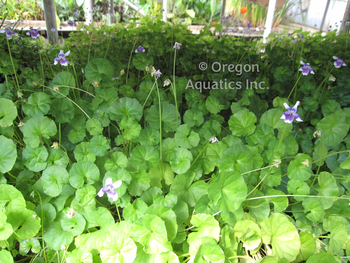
(35, 158)
(74, 225)
(98, 69)
(168, 117)
(65, 79)
(6, 228)
(213, 105)
(144, 157)
(5, 257)
(206, 226)
(63, 110)
(278, 231)
(53, 179)
(249, 233)
(94, 127)
(99, 145)
(142, 60)
(322, 258)
(300, 167)
(180, 160)
(125, 107)
(242, 123)
(82, 153)
(193, 117)
(118, 159)
(334, 128)
(81, 172)
(149, 136)
(77, 134)
(8, 154)
(37, 127)
(186, 138)
(38, 104)
(8, 112)
(55, 237)
(57, 157)
(119, 248)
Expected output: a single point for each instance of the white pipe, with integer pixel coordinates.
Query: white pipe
(269, 19)
(165, 10)
(138, 9)
(88, 12)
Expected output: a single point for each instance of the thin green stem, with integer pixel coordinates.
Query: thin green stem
(327, 77)
(160, 121)
(294, 87)
(13, 66)
(120, 219)
(148, 96)
(199, 155)
(177, 112)
(42, 225)
(127, 71)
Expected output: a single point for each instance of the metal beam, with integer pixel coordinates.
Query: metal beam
(50, 19)
(325, 14)
(88, 12)
(269, 19)
(138, 9)
(165, 10)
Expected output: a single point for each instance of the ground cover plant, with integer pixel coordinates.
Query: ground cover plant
(121, 146)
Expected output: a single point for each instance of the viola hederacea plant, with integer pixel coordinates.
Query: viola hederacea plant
(62, 58)
(306, 68)
(9, 33)
(139, 49)
(33, 33)
(158, 73)
(291, 113)
(339, 62)
(109, 188)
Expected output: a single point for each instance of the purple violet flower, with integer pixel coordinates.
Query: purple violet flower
(291, 113)
(77, 12)
(139, 49)
(94, 9)
(21, 20)
(301, 36)
(177, 45)
(112, 36)
(53, 30)
(60, 27)
(110, 189)
(280, 39)
(306, 68)
(9, 33)
(249, 25)
(61, 58)
(339, 62)
(294, 41)
(33, 33)
(71, 23)
(158, 73)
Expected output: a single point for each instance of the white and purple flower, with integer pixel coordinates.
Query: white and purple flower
(110, 189)
(306, 68)
(71, 23)
(339, 62)
(177, 45)
(33, 33)
(291, 113)
(158, 73)
(9, 33)
(139, 49)
(61, 58)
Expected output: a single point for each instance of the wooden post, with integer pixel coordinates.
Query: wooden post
(112, 11)
(50, 19)
(344, 25)
(269, 19)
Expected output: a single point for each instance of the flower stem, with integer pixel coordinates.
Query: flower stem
(177, 112)
(13, 66)
(294, 87)
(160, 122)
(127, 71)
(120, 219)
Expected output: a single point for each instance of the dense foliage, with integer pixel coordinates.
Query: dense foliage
(114, 149)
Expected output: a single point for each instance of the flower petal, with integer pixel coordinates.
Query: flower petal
(113, 196)
(61, 52)
(117, 184)
(335, 57)
(67, 53)
(286, 105)
(64, 62)
(296, 105)
(56, 61)
(101, 192)
(302, 62)
(109, 181)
